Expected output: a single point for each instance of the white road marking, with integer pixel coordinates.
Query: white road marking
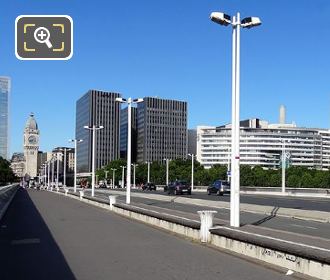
(25, 241)
(294, 225)
(276, 239)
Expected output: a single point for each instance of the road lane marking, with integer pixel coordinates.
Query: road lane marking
(294, 225)
(275, 239)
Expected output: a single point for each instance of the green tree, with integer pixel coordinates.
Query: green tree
(293, 181)
(6, 173)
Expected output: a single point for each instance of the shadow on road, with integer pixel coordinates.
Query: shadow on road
(27, 248)
(271, 216)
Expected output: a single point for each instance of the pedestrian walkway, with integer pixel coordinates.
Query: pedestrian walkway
(47, 236)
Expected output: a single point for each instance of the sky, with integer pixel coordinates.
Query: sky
(171, 49)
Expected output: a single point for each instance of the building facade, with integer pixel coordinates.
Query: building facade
(124, 132)
(17, 164)
(262, 144)
(161, 129)
(97, 108)
(4, 117)
(31, 147)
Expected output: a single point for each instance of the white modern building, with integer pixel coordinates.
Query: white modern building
(262, 144)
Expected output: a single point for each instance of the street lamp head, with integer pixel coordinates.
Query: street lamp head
(120, 99)
(250, 22)
(220, 18)
(138, 100)
(101, 127)
(86, 127)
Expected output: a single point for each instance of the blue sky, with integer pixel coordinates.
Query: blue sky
(171, 49)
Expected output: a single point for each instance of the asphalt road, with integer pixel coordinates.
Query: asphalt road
(46, 236)
(318, 204)
(310, 228)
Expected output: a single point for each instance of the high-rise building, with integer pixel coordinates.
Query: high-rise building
(161, 129)
(31, 146)
(124, 131)
(4, 117)
(97, 108)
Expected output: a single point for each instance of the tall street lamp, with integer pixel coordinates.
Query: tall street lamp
(122, 176)
(129, 102)
(53, 170)
(113, 177)
(148, 178)
(192, 170)
(49, 162)
(284, 157)
(134, 167)
(75, 141)
(57, 169)
(236, 24)
(93, 128)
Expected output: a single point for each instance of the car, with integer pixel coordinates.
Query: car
(149, 187)
(219, 187)
(178, 187)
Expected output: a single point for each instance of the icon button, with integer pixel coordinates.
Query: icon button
(44, 37)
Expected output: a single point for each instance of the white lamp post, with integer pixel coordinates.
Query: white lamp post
(75, 141)
(57, 168)
(122, 176)
(93, 128)
(134, 167)
(236, 24)
(148, 178)
(49, 172)
(167, 169)
(284, 156)
(192, 170)
(53, 170)
(129, 102)
(113, 177)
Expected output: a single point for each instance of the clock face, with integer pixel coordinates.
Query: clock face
(32, 139)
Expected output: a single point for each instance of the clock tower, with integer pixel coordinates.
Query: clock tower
(31, 146)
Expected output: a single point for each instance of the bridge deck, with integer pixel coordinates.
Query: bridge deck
(46, 236)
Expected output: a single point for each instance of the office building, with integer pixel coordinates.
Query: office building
(4, 117)
(161, 129)
(124, 131)
(262, 144)
(97, 108)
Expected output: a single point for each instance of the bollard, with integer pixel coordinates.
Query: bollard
(57, 189)
(66, 191)
(81, 193)
(206, 223)
(51, 189)
(112, 200)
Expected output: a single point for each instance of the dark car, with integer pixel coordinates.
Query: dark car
(149, 187)
(219, 187)
(178, 187)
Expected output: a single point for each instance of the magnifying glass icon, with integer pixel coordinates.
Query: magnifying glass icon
(42, 35)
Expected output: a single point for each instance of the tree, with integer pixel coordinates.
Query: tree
(6, 173)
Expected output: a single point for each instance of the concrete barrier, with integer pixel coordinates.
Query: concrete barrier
(7, 194)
